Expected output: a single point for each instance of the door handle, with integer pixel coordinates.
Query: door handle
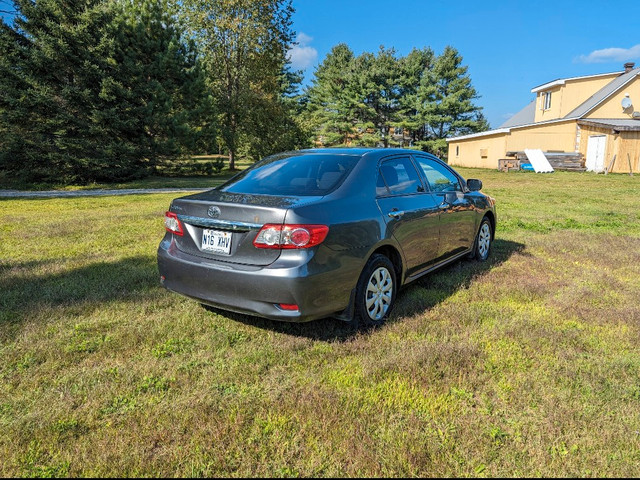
(396, 214)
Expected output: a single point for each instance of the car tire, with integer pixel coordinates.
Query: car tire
(482, 243)
(375, 292)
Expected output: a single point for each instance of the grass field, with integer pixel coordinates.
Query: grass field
(526, 365)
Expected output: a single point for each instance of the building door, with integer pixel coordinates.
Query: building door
(595, 153)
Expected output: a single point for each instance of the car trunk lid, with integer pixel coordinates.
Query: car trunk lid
(222, 226)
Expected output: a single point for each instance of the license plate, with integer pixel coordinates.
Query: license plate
(216, 241)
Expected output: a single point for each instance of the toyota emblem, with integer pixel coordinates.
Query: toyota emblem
(213, 212)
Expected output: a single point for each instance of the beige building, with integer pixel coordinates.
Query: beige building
(597, 116)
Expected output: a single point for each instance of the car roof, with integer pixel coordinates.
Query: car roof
(361, 151)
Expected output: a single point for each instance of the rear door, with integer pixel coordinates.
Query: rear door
(411, 212)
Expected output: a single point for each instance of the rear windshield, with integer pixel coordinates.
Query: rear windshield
(295, 175)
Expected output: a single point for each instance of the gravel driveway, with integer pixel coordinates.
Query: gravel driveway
(91, 193)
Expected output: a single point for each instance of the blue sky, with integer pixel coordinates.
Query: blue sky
(509, 46)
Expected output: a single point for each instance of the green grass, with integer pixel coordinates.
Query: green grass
(526, 365)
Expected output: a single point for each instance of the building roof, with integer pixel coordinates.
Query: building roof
(621, 125)
(525, 116)
(562, 81)
(480, 134)
(605, 92)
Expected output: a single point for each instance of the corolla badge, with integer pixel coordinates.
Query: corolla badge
(213, 212)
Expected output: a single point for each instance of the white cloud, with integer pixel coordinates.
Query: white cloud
(302, 55)
(611, 55)
(303, 38)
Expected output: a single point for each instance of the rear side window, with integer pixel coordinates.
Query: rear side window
(293, 175)
(439, 177)
(398, 176)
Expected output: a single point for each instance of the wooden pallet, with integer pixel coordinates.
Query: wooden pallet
(559, 160)
(507, 164)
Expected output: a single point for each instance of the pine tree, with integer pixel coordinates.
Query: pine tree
(332, 99)
(446, 102)
(378, 79)
(94, 90)
(413, 68)
(155, 104)
(359, 100)
(50, 75)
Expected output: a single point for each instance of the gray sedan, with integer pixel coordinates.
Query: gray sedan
(323, 232)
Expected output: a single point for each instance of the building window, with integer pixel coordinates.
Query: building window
(457, 150)
(546, 100)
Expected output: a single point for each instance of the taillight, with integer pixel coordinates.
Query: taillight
(290, 236)
(172, 224)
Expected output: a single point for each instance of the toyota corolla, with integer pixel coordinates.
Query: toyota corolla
(323, 232)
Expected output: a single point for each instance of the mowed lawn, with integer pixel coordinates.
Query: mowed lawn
(526, 365)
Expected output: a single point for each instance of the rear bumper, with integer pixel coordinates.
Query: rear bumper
(295, 278)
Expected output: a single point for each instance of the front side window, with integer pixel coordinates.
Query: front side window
(439, 177)
(398, 176)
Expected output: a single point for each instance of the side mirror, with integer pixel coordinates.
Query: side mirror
(474, 184)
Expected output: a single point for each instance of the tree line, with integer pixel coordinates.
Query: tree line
(95, 90)
(105, 90)
(386, 100)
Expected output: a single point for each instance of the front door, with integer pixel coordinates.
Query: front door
(457, 219)
(596, 147)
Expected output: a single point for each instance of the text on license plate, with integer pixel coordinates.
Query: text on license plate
(216, 241)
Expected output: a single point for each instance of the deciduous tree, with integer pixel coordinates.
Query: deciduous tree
(274, 124)
(244, 44)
